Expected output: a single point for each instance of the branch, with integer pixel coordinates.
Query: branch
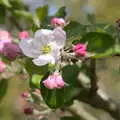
(15, 23)
(93, 77)
(93, 95)
(78, 110)
(102, 101)
(13, 20)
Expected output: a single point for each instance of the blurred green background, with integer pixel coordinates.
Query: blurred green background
(12, 105)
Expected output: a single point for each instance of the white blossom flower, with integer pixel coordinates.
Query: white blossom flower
(45, 47)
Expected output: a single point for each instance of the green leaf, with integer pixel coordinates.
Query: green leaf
(53, 98)
(35, 80)
(42, 12)
(70, 74)
(3, 88)
(70, 93)
(33, 69)
(2, 14)
(22, 13)
(18, 5)
(61, 13)
(70, 118)
(75, 28)
(102, 44)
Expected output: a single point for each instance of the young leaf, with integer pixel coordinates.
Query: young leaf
(53, 98)
(102, 44)
(42, 12)
(61, 13)
(35, 80)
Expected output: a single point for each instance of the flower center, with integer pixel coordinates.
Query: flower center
(46, 49)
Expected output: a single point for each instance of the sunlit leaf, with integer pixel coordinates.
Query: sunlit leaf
(35, 80)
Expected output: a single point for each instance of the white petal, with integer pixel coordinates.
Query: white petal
(28, 48)
(55, 51)
(43, 37)
(59, 36)
(43, 60)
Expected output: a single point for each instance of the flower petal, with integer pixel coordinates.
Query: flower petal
(43, 37)
(59, 36)
(44, 59)
(28, 48)
(55, 51)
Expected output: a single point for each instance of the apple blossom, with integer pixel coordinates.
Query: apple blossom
(45, 47)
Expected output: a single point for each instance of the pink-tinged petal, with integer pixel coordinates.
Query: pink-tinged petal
(59, 81)
(50, 83)
(80, 49)
(2, 66)
(1, 46)
(54, 81)
(5, 36)
(81, 52)
(23, 35)
(79, 46)
(25, 95)
(58, 22)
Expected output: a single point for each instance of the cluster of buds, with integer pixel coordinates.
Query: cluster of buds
(7, 47)
(54, 81)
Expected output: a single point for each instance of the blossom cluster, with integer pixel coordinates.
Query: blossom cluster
(8, 48)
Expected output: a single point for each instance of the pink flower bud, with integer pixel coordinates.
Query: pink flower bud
(2, 66)
(58, 22)
(23, 35)
(54, 81)
(5, 36)
(80, 49)
(81, 52)
(28, 111)
(25, 95)
(59, 80)
(11, 50)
